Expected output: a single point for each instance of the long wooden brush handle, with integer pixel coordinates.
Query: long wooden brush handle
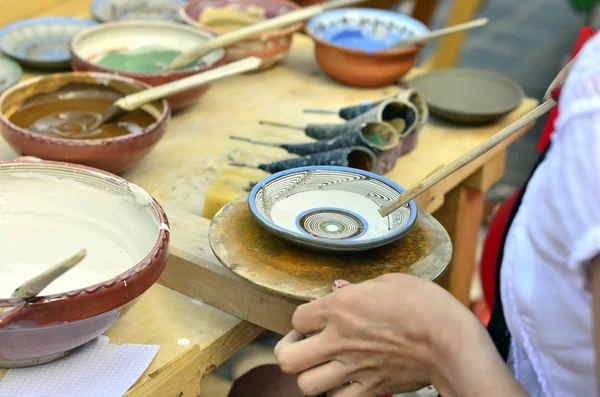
(134, 101)
(37, 284)
(439, 33)
(238, 35)
(465, 159)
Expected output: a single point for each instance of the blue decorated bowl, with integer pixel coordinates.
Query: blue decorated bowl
(41, 43)
(10, 73)
(141, 10)
(330, 209)
(352, 45)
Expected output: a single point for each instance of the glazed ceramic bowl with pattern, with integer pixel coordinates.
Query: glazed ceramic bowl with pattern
(330, 209)
(272, 47)
(145, 37)
(333, 30)
(42, 43)
(146, 10)
(110, 154)
(10, 73)
(90, 208)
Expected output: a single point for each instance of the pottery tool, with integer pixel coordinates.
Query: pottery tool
(377, 137)
(438, 33)
(465, 159)
(350, 112)
(34, 286)
(354, 157)
(259, 257)
(401, 114)
(134, 101)
(235, 36)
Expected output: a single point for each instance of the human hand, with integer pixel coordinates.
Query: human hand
(394, 334)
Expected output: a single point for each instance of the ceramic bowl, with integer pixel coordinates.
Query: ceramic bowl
(147, 10)
(41, 43)
(110, 154)
(88, 47)
(10, 73)
(357, 67)
(270, 46)
(103, 286)
(330, 209)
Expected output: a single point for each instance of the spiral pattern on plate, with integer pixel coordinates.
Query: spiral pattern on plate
(332, 224)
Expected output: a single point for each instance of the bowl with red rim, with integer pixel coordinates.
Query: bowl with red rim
(110, 154)
(50, 210)
(142, 50)
(272, 46)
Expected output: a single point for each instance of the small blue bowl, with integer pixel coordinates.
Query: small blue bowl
(143, 10)
(41, 43)
(330, 209)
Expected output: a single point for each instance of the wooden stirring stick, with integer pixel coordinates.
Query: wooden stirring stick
(238, 35)
(465, 159)
(37, 284)
(134, 101)
(439, 33)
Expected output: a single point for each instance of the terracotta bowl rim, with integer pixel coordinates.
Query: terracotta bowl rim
(161, 244)
(352, 51)
(261, 36)
(179, 73)
(83, 142)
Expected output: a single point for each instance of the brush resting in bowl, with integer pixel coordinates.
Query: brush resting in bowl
(146, 59)
(74, 114)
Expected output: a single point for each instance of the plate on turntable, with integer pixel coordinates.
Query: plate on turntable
(467, 95)
(330, 209)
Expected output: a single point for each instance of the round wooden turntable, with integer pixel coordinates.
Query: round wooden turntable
(268, 262)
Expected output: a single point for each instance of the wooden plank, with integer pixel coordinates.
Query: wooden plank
(193, 270)
(424, 10)
(191, 334)
(461, 215)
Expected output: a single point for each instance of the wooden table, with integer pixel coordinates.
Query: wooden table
(180, 171)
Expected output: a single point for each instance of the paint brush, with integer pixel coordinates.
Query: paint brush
(350, 112)
(134, 101)
(354, 157)
(34, 286)
(281, 21)
(399, 114)
(476, 152)
(412, 41)
(378, 137)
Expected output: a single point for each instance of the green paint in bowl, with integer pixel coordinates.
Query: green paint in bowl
(141, 60)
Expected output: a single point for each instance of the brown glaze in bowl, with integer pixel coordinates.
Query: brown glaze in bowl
(123, 35)
(110, 154)
(356, 67)
(270, 46)
(42, 329)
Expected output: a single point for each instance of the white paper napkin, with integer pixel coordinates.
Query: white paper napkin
(98, 369)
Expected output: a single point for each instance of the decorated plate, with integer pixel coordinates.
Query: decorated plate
(330, 208)
(41, 42)
(114, 10)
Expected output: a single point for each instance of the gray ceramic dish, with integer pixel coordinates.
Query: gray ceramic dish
(157, 10)
(10, 73)
(41, 43)
(466, 95)
(330, 209)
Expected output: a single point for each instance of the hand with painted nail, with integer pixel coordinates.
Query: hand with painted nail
(394, 334)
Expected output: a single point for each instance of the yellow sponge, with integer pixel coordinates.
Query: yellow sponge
(229, 184)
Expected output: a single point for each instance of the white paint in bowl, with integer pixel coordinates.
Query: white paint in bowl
(45, 219)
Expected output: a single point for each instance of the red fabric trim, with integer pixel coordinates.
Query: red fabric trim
(584, 35)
